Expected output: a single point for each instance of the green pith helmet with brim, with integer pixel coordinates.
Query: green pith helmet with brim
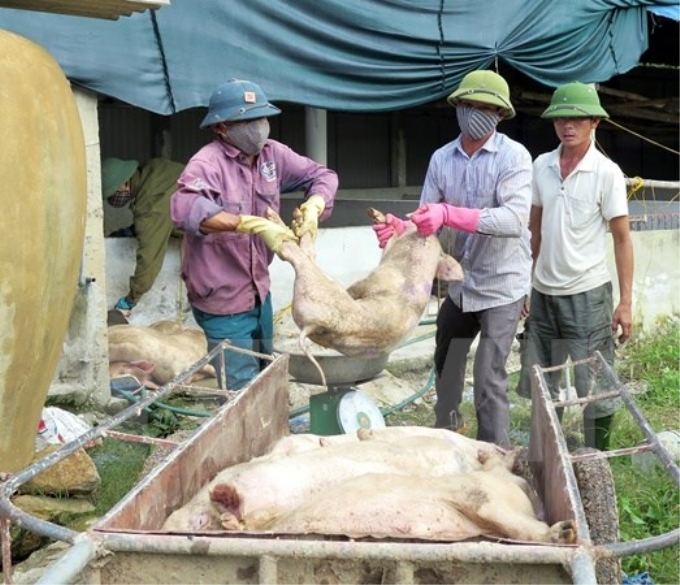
(486, 87)
(575, 100)
(115, 172)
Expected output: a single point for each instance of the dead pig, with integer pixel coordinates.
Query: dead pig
(142, 370)
(392, 483)
(171, 349)
(373, 315)
(254, 494)
(487, 502)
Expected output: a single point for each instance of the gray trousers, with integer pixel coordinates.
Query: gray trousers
(456, 331)
(573, 326)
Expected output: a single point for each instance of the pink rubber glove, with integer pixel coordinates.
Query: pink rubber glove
(432, 216)
(393, 226)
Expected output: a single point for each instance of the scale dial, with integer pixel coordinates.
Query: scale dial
(356, 411)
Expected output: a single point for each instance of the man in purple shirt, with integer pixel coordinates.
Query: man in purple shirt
(240, 173)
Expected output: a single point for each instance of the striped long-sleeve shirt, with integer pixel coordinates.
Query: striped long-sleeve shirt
(497, 179)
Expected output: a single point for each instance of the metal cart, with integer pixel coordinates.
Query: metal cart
(128, 545)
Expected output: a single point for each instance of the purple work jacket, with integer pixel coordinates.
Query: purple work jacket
(224, 271)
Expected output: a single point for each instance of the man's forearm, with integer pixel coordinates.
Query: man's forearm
(220, 222)
(623, 256)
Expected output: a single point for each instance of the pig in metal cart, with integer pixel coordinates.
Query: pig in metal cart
(128, 545)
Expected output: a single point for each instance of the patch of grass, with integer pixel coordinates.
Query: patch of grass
(649, 504)
(119, 464)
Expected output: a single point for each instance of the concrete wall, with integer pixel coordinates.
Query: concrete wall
(656, 286)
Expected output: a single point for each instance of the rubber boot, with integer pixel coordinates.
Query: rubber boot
(453, 422)
(597, 431)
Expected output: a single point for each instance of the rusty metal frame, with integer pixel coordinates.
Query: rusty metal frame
(541, 399)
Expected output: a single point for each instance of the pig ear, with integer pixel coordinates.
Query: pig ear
(146, 366)
(448, 269)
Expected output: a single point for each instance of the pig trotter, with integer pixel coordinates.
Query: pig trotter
(563, 532)
(376, 216)
(229, 522)
(365, 434)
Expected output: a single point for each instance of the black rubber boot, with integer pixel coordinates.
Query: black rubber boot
(597, 432)
(452, 422)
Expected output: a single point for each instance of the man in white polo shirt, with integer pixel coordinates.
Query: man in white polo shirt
(579, 196)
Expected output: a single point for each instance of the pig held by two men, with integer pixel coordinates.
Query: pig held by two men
(373, 315)
(378, 312)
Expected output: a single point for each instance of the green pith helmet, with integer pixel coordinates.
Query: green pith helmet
(575, 100)
(486, 87)
(115, 172)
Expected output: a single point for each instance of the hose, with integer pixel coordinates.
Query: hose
(412, 398)
(130, 397)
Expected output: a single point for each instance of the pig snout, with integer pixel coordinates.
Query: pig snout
(141, 369)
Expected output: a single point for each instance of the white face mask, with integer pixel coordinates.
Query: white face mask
(476, 123)
(249, 137)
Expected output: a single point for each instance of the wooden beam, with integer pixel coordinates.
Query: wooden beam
(107, 9)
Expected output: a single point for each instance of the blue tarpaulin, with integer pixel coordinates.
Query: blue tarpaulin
(672, 12)
(344, 55)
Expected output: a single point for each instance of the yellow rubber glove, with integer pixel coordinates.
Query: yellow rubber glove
(309, 220)
(274, 234)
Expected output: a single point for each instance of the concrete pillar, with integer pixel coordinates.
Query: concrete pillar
(83, 370)
(316, 135)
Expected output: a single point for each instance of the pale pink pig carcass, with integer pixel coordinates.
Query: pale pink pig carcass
(252, 495)
(376, 313)
(171, 349)
(490, 502)
(373, 315)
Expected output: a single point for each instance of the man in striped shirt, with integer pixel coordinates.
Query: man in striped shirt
(479, 185)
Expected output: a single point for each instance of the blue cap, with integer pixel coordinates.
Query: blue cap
(238, 100)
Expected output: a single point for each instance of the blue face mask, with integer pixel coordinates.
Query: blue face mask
(248, 137)
(476, 123)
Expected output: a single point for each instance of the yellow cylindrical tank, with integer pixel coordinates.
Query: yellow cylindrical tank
(43, 186)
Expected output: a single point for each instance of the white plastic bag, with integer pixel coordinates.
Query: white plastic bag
(59, 426)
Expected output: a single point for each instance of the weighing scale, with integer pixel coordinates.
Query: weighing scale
(343, 408)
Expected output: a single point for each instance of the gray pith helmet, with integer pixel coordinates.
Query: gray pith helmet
(237, 100)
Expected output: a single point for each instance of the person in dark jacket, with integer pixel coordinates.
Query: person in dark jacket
(147, 189)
